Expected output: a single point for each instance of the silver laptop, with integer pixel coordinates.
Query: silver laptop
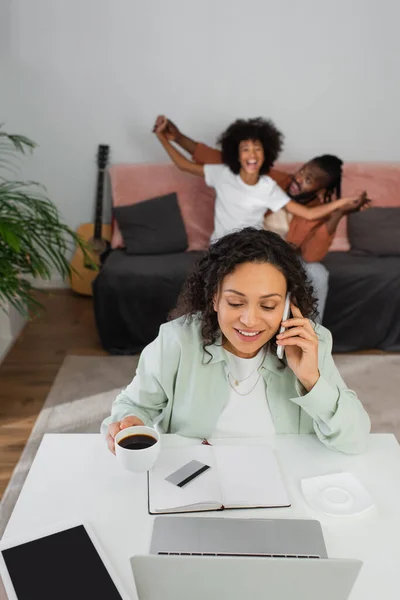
(242, 578)
(238, 537)
(234, 559)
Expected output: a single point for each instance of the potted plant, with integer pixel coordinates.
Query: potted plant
(33, 241)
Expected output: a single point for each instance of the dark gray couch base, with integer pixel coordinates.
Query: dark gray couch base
(363, 306)
(133, 296)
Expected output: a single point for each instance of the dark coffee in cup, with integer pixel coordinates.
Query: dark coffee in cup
(137, 442)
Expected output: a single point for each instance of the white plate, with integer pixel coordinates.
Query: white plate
(337, 494)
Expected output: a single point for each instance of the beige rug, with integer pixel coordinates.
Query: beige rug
(79, 400)
(86, 386)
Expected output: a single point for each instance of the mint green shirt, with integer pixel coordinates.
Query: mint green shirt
(184, 389)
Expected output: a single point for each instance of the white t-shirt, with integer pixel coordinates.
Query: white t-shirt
(240, 205)
(245, 415)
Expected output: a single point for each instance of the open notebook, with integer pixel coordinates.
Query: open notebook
(239, 477)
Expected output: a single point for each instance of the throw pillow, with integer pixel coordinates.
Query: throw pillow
(153, 226)
(375, 231)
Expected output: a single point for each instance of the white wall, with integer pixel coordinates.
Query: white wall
(76, 73)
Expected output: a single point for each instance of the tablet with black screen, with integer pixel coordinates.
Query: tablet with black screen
(67, 564)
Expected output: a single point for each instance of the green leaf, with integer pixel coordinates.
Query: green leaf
(9, 236)
(33, 239)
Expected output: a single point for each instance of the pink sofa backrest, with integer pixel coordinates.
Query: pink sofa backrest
(133, 183)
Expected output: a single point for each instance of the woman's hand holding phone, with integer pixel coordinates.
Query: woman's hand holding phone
(285, 316)
(300, 343)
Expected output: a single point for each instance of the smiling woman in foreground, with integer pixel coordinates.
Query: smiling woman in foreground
(213, 371)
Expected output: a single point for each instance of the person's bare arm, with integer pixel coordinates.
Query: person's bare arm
(315, 213)
(173, 134)
(186, 143)
(178, 159)
(200, 153)
(333, 221)
(182, 140)
(335, 217)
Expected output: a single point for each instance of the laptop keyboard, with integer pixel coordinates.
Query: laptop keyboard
(263, 555)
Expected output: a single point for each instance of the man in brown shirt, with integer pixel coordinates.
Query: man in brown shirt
(314, 183)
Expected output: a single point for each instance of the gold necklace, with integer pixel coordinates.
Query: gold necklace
(246, 393)
(237, 381)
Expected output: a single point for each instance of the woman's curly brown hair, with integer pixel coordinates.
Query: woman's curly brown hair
(257, 129)
(247, 245)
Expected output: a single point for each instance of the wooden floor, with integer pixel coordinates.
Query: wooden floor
(29, 369)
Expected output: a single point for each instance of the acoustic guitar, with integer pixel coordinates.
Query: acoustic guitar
(96, 234)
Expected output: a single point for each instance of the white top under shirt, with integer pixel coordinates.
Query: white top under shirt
(238, 204)
(234, 420)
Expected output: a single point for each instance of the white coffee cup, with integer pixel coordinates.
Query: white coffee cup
(133, 459)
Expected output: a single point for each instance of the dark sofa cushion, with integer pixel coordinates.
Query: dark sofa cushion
(153, 226)
(133, 296)
(375, 232)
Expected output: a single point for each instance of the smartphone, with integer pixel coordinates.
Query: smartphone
(187, 473)
(286, 314)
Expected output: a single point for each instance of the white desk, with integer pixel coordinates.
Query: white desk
(74, 476)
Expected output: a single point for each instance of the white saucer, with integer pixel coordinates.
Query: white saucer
(337, 494)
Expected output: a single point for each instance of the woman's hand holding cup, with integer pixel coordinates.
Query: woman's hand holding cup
(115, 428)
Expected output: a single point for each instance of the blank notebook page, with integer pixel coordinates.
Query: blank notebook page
(250, 475)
